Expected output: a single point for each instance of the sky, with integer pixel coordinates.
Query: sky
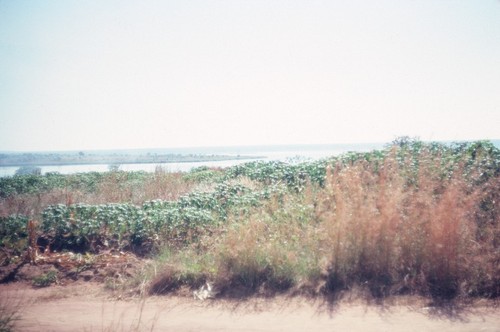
(85, 75)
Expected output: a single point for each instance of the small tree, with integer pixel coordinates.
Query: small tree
(114, 167)
(29, 170)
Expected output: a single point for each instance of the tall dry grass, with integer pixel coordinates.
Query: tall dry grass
(159, 185)
(397, 236)
(274, 248)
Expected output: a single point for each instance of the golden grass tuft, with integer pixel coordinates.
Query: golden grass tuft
(396, 237)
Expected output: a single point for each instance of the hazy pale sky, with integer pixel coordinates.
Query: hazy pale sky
(100, 74)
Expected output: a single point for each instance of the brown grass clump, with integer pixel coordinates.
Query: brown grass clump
(275, 250)
(159, 185)
(359, 213)
(399, 237)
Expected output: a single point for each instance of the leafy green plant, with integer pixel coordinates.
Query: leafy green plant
(14, 234)
(203, 174)
(45, 279)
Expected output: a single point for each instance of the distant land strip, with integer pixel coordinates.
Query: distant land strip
(61, 159)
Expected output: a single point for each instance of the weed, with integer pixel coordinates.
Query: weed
(45, 279)
(9, 313)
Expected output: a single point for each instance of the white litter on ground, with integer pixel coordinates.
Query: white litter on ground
(205, 292)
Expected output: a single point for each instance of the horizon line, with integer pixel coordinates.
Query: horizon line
(244, 146)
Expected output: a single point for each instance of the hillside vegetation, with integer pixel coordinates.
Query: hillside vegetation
(413, 218)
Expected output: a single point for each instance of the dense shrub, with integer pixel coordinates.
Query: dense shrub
(14, 233)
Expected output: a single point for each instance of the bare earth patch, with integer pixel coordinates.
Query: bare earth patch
(85, 306)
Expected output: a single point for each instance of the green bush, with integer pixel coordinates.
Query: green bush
(13, 233)
(45, 279)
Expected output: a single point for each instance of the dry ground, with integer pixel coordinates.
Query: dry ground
(85, 306)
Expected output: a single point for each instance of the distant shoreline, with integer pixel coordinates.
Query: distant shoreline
(54, 159)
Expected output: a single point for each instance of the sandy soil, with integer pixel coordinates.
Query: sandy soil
(86, 307)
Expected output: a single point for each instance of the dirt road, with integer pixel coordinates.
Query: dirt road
(84, 307)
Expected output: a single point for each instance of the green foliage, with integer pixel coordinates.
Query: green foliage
(204, 174)
(45, 279)
(13, 228)
(22, 184)
(84, 227)
(294, 176)
(13, 233)
(85, 182)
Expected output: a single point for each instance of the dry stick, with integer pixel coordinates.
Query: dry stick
(32, 240)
